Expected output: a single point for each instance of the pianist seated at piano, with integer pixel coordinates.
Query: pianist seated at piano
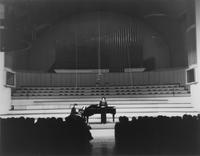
(74, 110)
(103, 102)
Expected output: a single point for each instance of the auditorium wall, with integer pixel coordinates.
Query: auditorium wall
(43, 52)
(155, 47)
(172, 31)
(5, 92)
(167, 76)
(17, 60)
(190, 34)
(167, 39)
(42, 55)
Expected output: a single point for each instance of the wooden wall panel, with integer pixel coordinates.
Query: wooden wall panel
(137, 78)
(154, 77)
(90, 79)
(87, 79)
(163, 77)
(145, 78)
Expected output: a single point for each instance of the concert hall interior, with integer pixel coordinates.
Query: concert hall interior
(99, 77)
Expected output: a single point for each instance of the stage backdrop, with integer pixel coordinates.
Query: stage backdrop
(99, 40)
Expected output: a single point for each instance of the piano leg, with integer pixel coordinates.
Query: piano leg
(113, 117)
(103, 117)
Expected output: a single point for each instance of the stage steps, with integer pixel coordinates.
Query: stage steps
(118, 102)
(129, 107)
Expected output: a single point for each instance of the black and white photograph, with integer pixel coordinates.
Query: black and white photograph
(99, 77)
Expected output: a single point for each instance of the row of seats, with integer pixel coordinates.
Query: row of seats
(99, 88)
(100, 91)
(96, 90)
(128, 93)
(158, 135)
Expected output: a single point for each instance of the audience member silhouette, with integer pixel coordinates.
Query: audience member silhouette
(158, 135)
(45, 136)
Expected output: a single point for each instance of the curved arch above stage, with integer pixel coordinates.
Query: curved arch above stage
(99, 40)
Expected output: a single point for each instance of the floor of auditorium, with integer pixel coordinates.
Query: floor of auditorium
(103, 142)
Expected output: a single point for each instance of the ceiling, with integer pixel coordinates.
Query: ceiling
(25, 17)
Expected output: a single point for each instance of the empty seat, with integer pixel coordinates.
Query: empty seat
(99, 91)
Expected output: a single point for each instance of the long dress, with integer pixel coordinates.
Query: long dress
(103, 113)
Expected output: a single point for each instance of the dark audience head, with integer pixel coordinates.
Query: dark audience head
(59, 119)
(186, 116)
(123, 119)
(134, 119)
(22, 118)
(198, 116)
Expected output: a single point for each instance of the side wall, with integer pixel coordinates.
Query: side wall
(172, 31)
(17, 60)
(195, 88)
(5, 93)
(190, 34)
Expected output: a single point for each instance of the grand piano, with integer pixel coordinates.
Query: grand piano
(96, 109)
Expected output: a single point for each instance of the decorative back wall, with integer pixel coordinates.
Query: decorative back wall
(98, 40)
(94, 40)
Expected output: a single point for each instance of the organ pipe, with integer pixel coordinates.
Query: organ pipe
(99, 47)
(122, 41)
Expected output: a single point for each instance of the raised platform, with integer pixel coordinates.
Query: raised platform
(141, 100)
(60, 108)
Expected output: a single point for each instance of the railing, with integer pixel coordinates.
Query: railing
(169, 76)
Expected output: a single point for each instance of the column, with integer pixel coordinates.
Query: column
(5, 93)
(195, 88)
